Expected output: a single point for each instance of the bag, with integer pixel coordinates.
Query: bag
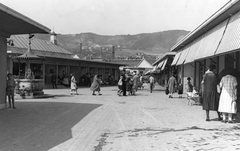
(166, 91)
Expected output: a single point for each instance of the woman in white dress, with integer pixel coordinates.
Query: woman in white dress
(228, 97)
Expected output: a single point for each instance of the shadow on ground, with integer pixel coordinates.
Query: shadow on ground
(40, 125)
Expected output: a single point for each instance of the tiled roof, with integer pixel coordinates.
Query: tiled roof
(37, 44)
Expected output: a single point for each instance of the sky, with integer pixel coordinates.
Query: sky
(116, 17)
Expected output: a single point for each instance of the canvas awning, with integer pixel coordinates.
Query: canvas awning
(211, 41)
(160, 65)
(195, 47)
(176, 58)
(183, 56)
(164, 64)
(231, 38)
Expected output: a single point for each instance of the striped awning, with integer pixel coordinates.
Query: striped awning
(176, 57)
(164, 64)
(195, 47)
(160, 65)
(183, 56)
(211, 41)
(231, 38)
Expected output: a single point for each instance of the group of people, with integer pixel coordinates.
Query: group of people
(131, 82)
(219, 96)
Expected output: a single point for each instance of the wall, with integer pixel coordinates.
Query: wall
(3, 73)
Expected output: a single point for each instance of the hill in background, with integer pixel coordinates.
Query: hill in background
(125, 45)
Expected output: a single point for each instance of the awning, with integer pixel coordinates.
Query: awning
(195, 47)
(231, 37)
(183, 56)
(164, 64)
(176, 57)
(211, 41)
(160, 65)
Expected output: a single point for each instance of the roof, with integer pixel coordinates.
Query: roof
(37, 44)
(222, 14)
(144, 64)
(13, 23)
(166, 55)
(130, 63)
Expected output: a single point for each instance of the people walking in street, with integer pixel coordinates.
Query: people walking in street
(120, 83)
(54, 80)
(210, 100)
(73, 85)
(95, 86)
(11, 83)
(228, 97)
(151, 82)
(172, 83)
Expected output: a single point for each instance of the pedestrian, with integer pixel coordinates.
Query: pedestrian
(73, 85)
(172, 83)
(210, 100)
(11, 84)
(54, 80)
(95, 86)
(120, 83)
(124, 82)
(189, 86)
(151, 82)
(228, 97)
(135, 80)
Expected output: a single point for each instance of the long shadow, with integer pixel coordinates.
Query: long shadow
(38, 126)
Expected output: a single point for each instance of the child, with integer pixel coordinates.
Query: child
(73, 85)
(120, 86)
(11, 83)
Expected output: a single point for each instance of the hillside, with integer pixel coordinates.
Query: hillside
(148, 43)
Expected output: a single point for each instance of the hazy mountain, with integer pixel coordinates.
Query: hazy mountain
(149, 43)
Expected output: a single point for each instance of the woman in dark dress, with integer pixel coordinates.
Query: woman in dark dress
(210, 99)
(95, 86)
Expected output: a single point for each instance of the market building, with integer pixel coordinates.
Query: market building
(216, 41)
(57, 60)
(13, 23)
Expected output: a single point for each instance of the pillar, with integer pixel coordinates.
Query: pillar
(3, 73)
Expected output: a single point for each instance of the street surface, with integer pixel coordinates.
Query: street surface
(145, 122)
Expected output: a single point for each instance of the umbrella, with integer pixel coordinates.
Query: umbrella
(229, 71)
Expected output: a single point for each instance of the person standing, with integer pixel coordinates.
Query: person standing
(189, 86)
(228, 97)
(11, 84)
(151, 82)
(135, 83)
(172, 83)
(95, 86)
(124, 83)
(54, 80)
(120, 83)
(73, 85)
(210, 100)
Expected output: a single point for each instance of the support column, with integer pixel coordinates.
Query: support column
(3, 73)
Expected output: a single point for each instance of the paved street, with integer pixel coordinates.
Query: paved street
(146, 122)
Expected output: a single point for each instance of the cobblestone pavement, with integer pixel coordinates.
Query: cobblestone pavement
(145, 122)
